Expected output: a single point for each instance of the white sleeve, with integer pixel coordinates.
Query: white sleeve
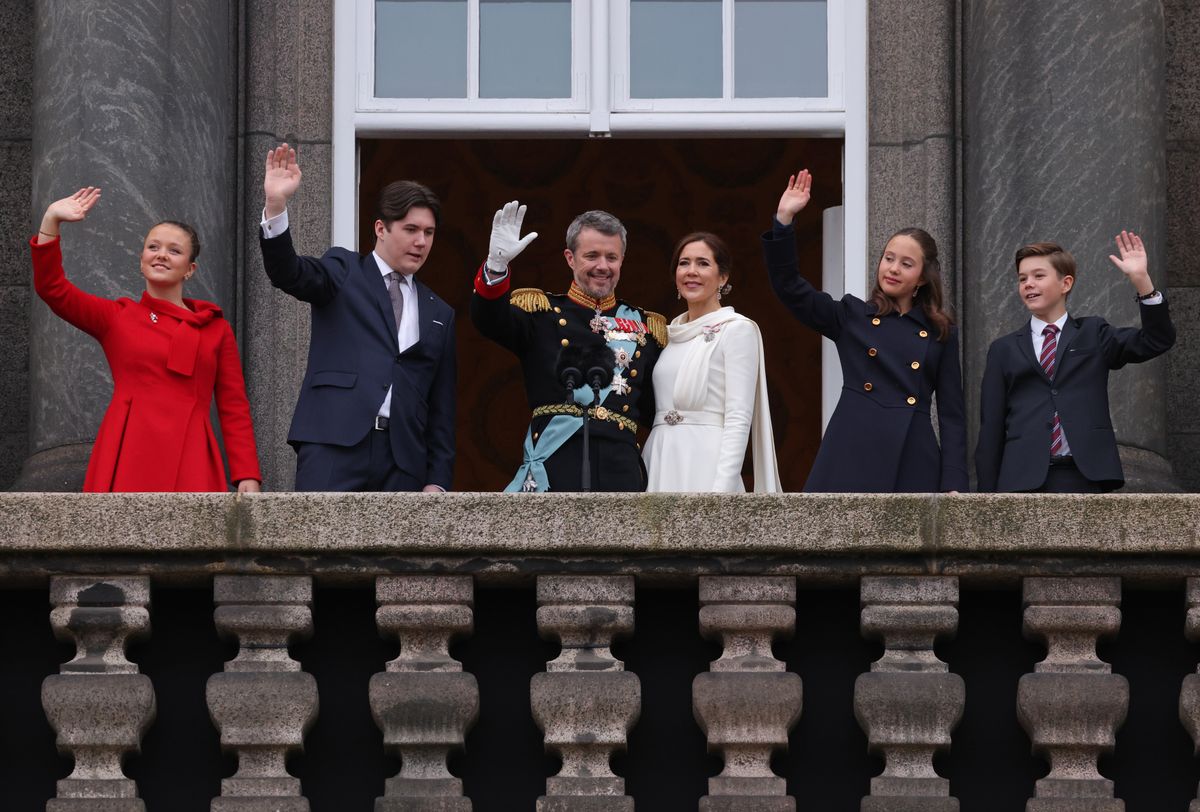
(739, 355)
(274, 226)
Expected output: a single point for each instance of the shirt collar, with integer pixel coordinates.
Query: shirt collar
(1037, 326)
(385, 269)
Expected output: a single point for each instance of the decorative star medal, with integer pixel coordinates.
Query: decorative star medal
(621, 357)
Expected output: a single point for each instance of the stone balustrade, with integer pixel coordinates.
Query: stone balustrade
(746, 557)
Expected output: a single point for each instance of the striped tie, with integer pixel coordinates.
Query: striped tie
(1049, 350)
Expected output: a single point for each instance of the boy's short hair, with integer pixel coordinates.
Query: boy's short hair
(399, 197)
(1060, 259)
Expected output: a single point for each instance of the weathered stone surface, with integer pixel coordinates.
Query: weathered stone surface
(99, 706)
(1189, 695)
(423, 702)
(1072, 705)
(586, 702)
(263, 704)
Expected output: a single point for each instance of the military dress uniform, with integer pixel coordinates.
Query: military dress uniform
(880, 438)
(536, 326)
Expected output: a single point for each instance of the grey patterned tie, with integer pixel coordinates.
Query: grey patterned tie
(396, 295)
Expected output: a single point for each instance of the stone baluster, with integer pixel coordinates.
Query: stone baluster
(585, 702)
(424, 703)
(747, 701)
(1072, 705)
(1189, 696)
(99, 705)
(262, 703)
(909, 702)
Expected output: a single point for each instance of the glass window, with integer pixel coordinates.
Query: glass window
(421, 49)
(675, 49)
(525, 49)
(780, 48)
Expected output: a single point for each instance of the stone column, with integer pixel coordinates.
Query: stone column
(1072, 705)
(140, 99)
(424, 702)
(1189, 696)
(747, 702)
(263, 704)
(98, 703)
(909, 702)
(1066, 141)
(585, 702)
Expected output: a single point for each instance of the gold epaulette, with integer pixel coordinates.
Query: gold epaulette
(656, 323)
(531, 300)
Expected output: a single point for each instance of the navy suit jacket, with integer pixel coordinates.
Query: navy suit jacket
(1018, 401)
(353, 356)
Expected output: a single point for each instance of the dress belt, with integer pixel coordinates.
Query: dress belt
(677, 417)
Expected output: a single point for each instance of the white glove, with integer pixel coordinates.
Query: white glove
(507, 242)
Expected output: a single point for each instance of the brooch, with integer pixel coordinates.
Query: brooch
(710, 332)
(673, 418)
(154, 317)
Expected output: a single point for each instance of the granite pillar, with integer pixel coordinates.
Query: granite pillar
(1189, 695)
(98, 703)
(585, 702)
(140, 99)
(424, 702)
(1072, 705)
(748, 701)
(1065, 141)
(909, 702)
(263, 703)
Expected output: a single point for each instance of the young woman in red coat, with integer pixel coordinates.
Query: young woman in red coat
(168, 356)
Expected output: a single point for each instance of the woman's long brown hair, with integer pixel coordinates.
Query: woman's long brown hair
(929, 295)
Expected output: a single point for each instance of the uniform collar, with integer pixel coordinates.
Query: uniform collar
(580, 297)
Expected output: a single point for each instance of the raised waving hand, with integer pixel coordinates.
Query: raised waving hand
(281, 179)
(67, 210)
(795, 197)
(1133, 261)
(506, 241)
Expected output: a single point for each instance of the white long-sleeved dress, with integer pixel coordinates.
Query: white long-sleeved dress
(710, 400)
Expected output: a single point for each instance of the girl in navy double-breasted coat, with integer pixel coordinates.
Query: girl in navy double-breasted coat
(897, 350)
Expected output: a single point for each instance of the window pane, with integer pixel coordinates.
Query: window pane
(525, 49)
(780, 48)
(675, 49)
(421, 49)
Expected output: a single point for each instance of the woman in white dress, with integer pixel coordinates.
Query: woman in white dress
(710, 385)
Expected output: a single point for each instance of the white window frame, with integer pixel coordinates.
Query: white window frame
(844, 115)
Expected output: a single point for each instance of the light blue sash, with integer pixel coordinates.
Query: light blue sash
(531, 476)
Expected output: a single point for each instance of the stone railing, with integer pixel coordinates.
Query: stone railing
(747, 556)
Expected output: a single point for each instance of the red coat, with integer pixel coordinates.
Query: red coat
(166, 364)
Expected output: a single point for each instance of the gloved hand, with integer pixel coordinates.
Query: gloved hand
(506, 241)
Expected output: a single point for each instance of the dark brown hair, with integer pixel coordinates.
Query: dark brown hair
(1060, 259)
(187, 229)
(720, 252)
(399, 197)
(929, 295)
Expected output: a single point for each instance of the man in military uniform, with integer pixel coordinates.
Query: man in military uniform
(536, 326)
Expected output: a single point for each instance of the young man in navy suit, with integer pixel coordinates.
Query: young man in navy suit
(376, 408)
(1044, 419)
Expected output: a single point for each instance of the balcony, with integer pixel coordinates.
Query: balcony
(736, 652)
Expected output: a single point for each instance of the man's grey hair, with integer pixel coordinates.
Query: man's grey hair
(596, 220)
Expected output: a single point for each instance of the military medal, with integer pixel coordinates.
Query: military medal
(621, 357)
(619, 385)
(598, 323)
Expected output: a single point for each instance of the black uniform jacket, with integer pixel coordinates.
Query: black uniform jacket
(536, 333)
(880, 438)
(1017, 401)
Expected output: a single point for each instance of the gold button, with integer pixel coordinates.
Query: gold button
(915, 365)
(558, 310)
(620, 427)
(637, 353)
(565, 342)
(923, 334)
(875, 322)
(912, 401)
(562, 322)
(625, 408)
(633, 373)
(868, 386)
(535, 435)
(872, 352)
(638, 446)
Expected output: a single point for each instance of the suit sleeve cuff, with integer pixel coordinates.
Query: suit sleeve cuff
(273, 226)
(494, 290)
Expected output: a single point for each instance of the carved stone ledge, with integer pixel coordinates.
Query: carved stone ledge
(585, 703)
(99, 705)
(1072, 705)
(423, 702)
(262, 703)
(747, 702)
(909, 703)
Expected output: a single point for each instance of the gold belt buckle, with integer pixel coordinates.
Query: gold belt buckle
(601, 413)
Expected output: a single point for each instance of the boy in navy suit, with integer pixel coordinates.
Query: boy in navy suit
(1044, 419)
